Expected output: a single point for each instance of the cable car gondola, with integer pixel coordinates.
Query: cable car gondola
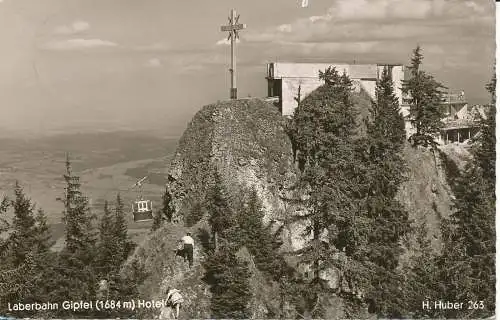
(142, 208)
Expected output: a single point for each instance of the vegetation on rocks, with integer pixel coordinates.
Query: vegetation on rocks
(424, 96)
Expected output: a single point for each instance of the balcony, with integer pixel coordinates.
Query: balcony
(450, 124)
(454, 98)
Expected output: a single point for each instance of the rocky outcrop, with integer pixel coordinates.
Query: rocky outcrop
(245, 143)
(426, 194)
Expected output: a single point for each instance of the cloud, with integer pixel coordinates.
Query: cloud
(76, 27)
(356, 20)
(155, 47)
(225, 41)
(154, 63)
(285, 28)
(74, 44)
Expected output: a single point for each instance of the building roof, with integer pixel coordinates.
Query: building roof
(279, 70)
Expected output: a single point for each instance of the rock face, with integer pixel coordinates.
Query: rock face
(242, 141)
(426, 194)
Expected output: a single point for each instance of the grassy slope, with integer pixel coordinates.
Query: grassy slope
(156, 253)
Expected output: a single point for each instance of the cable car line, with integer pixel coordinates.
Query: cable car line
(142, 208)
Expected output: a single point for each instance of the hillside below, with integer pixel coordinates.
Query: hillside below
(244, 142)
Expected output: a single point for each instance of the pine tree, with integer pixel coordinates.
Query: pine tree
(167, 210)
(228, 278)
(165, 213)
(43, 236)
(323, 131)
(469, 254)
(31, 233)
(389, 221)
(106, 244)
(422, 282)
(424, 96)
(22, 239)
(120, 231)
(221, 217)
(260, 241)
(484, 153)
(44, 257)
(75, 268)
(4, 227)
(16, 283)
(27, 250)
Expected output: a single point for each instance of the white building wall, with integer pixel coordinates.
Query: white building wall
(307, 76)
(397, 79)
(369, 86)
(290, 89)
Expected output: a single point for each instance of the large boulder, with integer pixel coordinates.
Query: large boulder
(245, 143)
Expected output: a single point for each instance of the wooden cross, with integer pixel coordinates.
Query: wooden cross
(233, 28)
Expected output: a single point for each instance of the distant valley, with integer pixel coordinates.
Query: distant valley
(108, 163)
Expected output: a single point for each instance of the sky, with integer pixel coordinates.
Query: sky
(86, 65)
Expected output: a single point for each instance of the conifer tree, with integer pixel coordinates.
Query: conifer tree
(106, 244)
(167, 209)
(422, 282)
(249, 219)
(469, 254)
(16, 283)
(31, 233)
(221, 217)
(44, 258)
(228, 278)
(4, 226)
(424, 96)
(323, 131)
(120, 231)
(484, 153)
(389, 221)
(77, 276)
(28, 250)
(22, 239)
(260, 241)
(43, 237)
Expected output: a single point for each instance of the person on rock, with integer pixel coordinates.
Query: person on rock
(174, 300)
(188, 247)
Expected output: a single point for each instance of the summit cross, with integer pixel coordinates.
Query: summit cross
(233, 28)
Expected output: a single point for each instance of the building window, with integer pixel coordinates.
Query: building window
(274, 88)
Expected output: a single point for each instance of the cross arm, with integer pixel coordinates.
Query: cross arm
(239, 26)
